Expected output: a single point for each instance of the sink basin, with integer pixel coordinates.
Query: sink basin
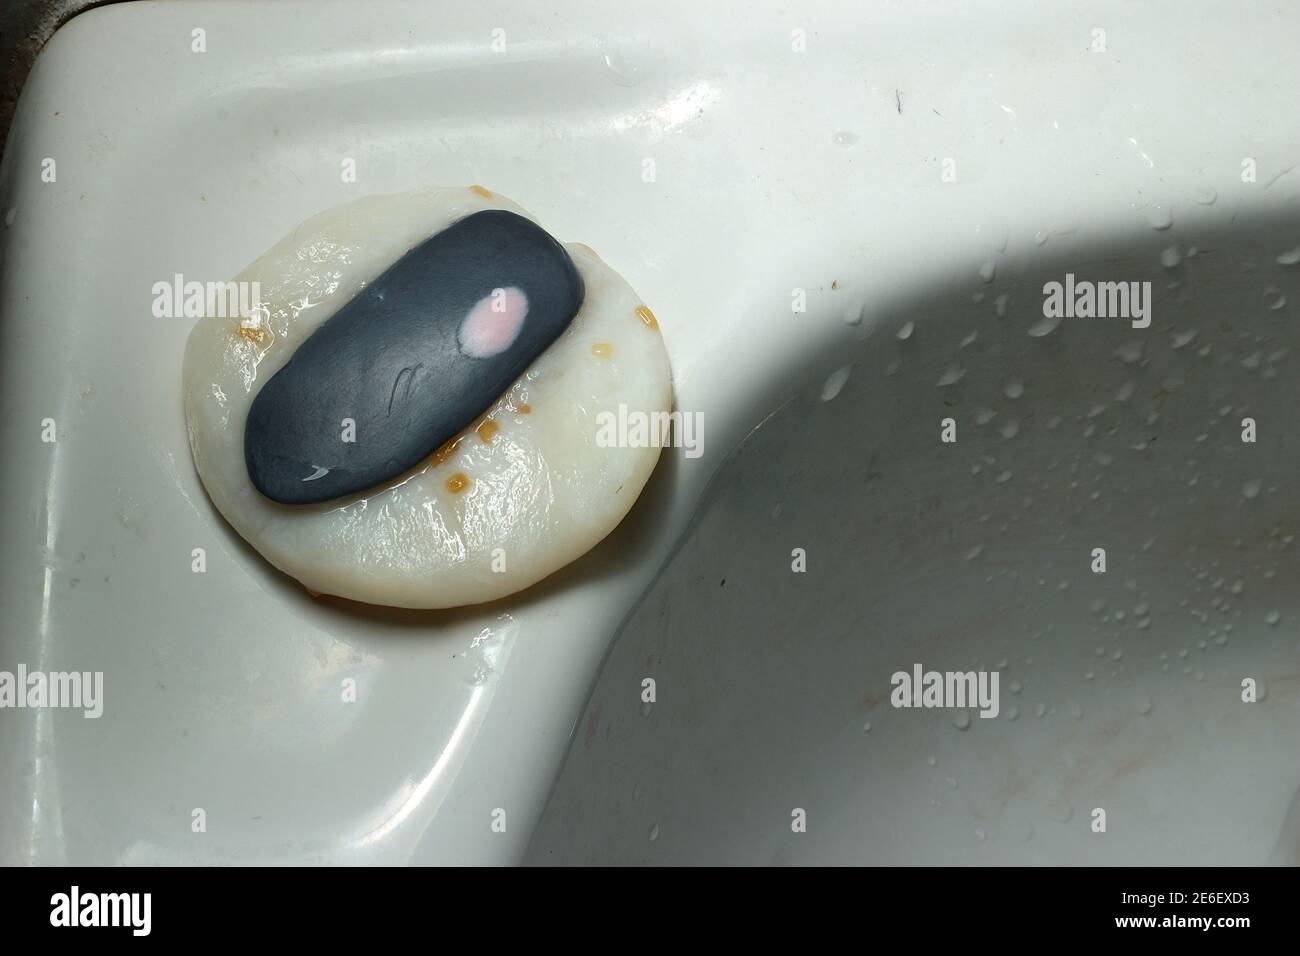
(832, 211)
(1119, 690)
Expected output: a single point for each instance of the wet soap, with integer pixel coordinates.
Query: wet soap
(412, 360)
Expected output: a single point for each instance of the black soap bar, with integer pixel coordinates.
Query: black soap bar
(412, 360)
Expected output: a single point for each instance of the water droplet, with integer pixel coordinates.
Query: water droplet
(1000, 305)
(620, 67)
(10, 216)
(1183, 338)
(905, 332)
(1205, 195)
(1010, 429)
(1144, 705)
(1014, 388)
(961, 720)
(1288, 258)
(1272, 617)
(988, 270)
(1045, 326)
(1159, 216)
(654, 833)
(974, 552)
(951, 375)
(1170, 257)
(1129, 352)
(835, 382)
(1252, 488)
(844, 138)
(993, 235)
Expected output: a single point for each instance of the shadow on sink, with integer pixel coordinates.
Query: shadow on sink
(1173, 448)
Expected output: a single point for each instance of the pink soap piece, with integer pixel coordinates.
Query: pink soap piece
(494, 323)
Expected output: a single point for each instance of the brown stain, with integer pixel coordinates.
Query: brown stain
(647, 317)
(457, 483)
(602, 350)
(478, 190)
(255, 334)
(447, 449)
(486, 429)
(524, 408)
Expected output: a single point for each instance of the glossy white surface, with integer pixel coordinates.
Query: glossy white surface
(773, 170)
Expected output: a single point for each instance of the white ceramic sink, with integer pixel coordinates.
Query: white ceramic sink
(885, 159)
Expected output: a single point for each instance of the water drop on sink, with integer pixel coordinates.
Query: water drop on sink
(1129, 352)
(988, 270)
(1170, 257)
(1206, 195)
(1252, 488)
(1014, 388)
(1045, 326)
(1271, 618)
(951, 375)
(618, 64)
(844, 138)
(1285, 259)
(654, 833)
(961, 720)
(905, 332)
(1159, 216)
(835, 382)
